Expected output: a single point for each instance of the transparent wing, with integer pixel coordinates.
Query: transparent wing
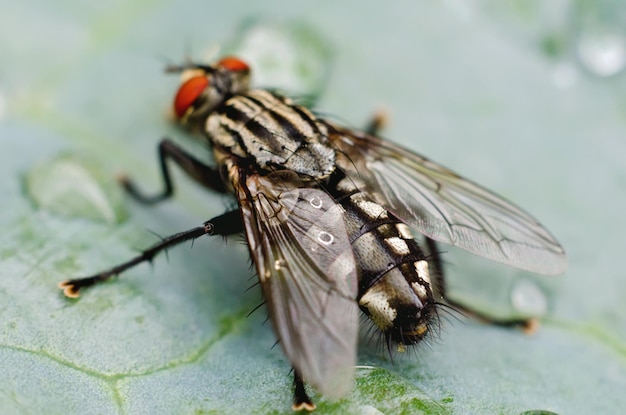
(306, 266)
(448, 208)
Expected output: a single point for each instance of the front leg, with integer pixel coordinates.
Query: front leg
(205, 175)
(227, 224)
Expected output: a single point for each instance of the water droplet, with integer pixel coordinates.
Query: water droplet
(280, 264)
(528, 299)
(76, 187)
(325, 238)
(602, 54)
(316, 202)
(280, 51)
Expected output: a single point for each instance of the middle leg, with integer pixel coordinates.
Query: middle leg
(226, 224)
(205, 175)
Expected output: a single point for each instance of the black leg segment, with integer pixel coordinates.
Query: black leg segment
(227, 224)
(301, 401)
(434, 260)
(527, 325)
(197, 170)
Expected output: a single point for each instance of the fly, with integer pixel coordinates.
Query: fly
(329, 215)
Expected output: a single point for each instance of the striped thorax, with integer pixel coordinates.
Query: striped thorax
(261, 127)
(273, 133)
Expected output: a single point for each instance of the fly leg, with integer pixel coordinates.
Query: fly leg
(226, 224)
(527, 325)
(434, 261)
(301, 401)
(205, 175)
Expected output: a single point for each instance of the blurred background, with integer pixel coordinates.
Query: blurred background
(527, 98)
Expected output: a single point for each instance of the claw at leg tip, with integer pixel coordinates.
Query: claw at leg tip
(303, 406)
(69, 290)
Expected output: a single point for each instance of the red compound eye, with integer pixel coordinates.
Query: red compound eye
(188, 93)
(233, 64)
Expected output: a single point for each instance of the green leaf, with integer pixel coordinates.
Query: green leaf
(83, 83)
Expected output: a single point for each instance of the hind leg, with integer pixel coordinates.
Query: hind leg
(439, 281)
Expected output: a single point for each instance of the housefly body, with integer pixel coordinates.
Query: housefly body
(331, 216)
